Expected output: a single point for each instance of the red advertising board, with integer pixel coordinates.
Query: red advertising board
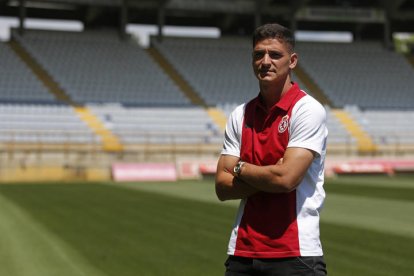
(144, 172)
(374, 166)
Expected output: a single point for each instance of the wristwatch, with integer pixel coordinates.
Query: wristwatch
(238, 167)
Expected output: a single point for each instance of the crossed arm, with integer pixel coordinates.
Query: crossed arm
(282, 177)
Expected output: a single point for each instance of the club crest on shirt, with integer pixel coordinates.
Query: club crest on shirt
(284, 123)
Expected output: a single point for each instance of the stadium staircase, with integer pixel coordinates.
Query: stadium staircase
(218, 116)
(364, 142)
(316, 91)
(110, 141)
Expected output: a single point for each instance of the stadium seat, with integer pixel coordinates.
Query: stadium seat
(17, 82)
(173, 125)
(42, 123)
(97, 67)
(360, 73)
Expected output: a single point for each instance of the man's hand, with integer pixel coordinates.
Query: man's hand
(228, 186)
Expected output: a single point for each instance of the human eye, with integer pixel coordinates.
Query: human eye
(275, 55)
(258, 55)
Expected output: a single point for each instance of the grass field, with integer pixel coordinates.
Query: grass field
(182, 229)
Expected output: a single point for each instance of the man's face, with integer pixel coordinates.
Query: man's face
(272, 60)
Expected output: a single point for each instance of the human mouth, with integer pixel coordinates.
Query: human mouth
(264, 72)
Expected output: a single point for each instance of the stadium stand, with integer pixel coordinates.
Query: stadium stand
(96, 67)
(100, 88)
(360, 73)
(158, 125)
(388, 128)
(340, 140)
(114, 90)
(224, 65)
(29, 113)
(218, 69)
(17, 83)
(43, 124)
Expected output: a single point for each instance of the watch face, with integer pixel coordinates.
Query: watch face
(236, 168)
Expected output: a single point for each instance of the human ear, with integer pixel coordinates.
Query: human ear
(293, 60)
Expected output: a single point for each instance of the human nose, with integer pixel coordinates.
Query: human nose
(266, 59)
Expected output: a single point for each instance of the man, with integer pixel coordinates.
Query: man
(273, 160)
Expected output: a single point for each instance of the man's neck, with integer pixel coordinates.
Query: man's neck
(272, 93)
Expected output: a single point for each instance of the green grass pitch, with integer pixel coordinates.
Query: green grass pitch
(121, 229)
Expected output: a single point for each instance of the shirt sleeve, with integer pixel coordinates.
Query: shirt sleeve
(308, 125)
(232, 134)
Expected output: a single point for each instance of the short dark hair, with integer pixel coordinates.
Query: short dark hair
(274, 30)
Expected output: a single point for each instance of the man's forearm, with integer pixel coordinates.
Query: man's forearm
(282, 177)
(230, 187)
(270, 179)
